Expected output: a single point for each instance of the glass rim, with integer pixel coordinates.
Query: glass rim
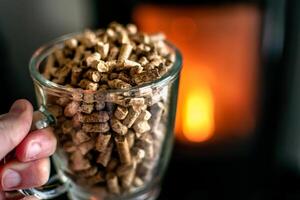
(42, 52)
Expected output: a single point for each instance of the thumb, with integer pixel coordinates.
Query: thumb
(14, 126)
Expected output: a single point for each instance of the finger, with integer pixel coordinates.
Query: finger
(38, 144)
(2, 197)
(14, 126)
(18, 175)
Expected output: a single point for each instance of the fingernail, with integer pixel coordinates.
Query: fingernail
(33, 150)
(11, 179)
(17, 108)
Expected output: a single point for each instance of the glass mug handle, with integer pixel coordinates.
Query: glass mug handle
(54, 187)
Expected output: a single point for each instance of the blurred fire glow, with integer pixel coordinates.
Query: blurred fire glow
(198, 111)
(218, 86)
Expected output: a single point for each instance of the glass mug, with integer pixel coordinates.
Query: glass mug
(87, 170)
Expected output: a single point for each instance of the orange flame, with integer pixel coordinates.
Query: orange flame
(198, 120)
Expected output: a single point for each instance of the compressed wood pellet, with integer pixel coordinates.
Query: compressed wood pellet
(79, 165)
(103, 49)
(76, 120)
(124, 39)
(120, 32)
(49, 70)
(85, 147)
(121, 112)
(131, 117)
(149, 149)
(80, 137)
(141, 127)
(143, 61)
(99, 191)
(78, 53)
(145, 38)
(104, 157)
(138, 154)
(130, 136)
(157, 110)
(88, 39)
(136, 102)
(59, 56)
(71, 109)
(67, 126)
(131, 28)
(125, 169)
(112, 164)
(112, 183)
(118, 84)
(145, 77)
(71, 43)
(88, 172)
(99, 116)
(144, 170)
(153, 64)
(113, 76)
(137, 182)
(144, 116)
(124, 77)
(92, 75)
(113, 53)
(55, 110)
(69, 147)
(61, 74)
(127, 179)
(103, 87)
(101, 66)
(134, 71)
(88, 85)
(99, 127)
(118, 127)
(76, 72)
(133, 57)
(102, 142)
(146, 142)
(103, 79)
(140, 49)
(125, 51)
(123, 149)
(138, 134)
(99, 105)
(159, 134)
(78, 162)
(62, 101)
(68, 86)
(152, 99)
(59, 121)
(88, 97)
(86, 108)
(98, 178)
(128, 64)
(157, 37)
(111, 34)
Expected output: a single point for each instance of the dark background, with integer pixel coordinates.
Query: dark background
(270, 167)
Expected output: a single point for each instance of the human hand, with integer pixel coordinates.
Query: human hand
(31, 166)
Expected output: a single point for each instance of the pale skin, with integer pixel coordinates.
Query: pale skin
(31, 166)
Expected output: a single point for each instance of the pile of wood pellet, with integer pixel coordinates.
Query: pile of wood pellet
(112, 140)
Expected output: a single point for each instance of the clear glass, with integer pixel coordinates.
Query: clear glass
(95, 161)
